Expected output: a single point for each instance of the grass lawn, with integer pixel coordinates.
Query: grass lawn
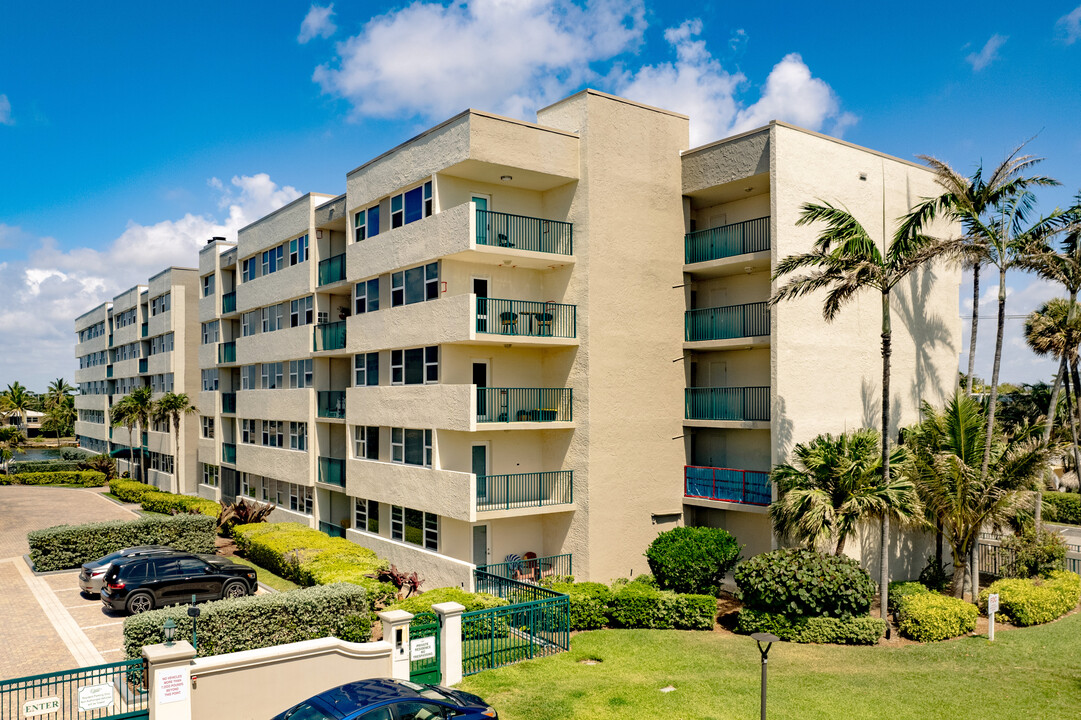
(265, 576)
(1025, 673)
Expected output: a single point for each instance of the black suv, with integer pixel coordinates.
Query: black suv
(138, 584)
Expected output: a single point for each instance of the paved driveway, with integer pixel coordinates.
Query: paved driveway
(24, 508)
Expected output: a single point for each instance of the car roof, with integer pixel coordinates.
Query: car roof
(132, 559)
(361, 693)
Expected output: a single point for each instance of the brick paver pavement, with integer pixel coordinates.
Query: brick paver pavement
(24, 508)
(30, 644)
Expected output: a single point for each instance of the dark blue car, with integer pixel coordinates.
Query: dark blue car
(386, 699)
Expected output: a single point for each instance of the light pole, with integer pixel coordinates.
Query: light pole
(769, 640)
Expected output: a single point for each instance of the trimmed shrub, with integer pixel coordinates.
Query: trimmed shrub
(168, 503)
(309, 557)
(69, 546)
(692, 559)
(37, 466)
(639, 606)
(900, 590)
(131, 491)
(260, 621)
(82, 478)
(1036, 601)
(928, 617)
(1062, 507)
(1034, 553)
(847, 631)
(471, 601)
(589, 603)
(797, 582)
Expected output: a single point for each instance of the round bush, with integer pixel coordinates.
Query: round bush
(900, 590)
(692, 559)
(796, 582)
(588, 602)
(1026, 602)
(928, 617)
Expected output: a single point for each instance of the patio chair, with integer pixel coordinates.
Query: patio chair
(509, 322)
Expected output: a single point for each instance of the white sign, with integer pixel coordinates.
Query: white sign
(93, 697)
(422, 648)
(172, 687)
(41, 706)
(992, 603)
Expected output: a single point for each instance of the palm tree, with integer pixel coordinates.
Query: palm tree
(11, 438)
(945, 452)
(18, 401)
(844, 261)
(124, 414)
(171, 406)
(58, 390)
(61, 415)
(834, 484)
(142, 406)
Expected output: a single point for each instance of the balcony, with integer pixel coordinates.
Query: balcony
(332, 471)
(727, 323)
(524, 490)
(525, 318)
(329, 336)
(742, 404)
(524, 233)
(331, 529)
(145, 329)
(331, 404)
(524, 405)
(750, 487)
(750, 236)
(144, 366)
(109, 371)
(332, 270)
(228, 403)
(228, 303)
(227, 352)
(228, 453)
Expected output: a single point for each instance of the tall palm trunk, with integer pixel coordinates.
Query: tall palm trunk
(975, 326)
(142, 455)
(176, 458)
(884, 580)
(131, 449)
(1071, 393)
(1051, 411)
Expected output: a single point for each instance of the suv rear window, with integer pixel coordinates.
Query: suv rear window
(134, 570)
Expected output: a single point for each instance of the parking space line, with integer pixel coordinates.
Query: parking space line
(73, 637)
(109, 624)
(113, 650)
(67, 589)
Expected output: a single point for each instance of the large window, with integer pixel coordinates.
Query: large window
(210, 332)
(298, 250)
(366, 443)
(247, 269)
(272, 261)
(411, 446)
(300, 498)
(272, 318)
(208, 427)
(366, 223)
(208, 285)
(159, 305)
(273, 433)
(300, 311)
(210, 380)
(298, 436)
(367, 296)
(300, 373)
(248, 375)
(415, 285)
(367, 369)
(272, 374)
(247, 432)
(210, 475)
(414, 527)
(366, 515)
(414, 366)
(249, 323)
(410, 206)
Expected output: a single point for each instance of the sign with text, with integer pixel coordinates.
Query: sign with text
(172, 687)
(422, 648)
(992, 603)
(94, 697)
(41, 706)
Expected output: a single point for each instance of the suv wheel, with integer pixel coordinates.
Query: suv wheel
(140, 603)
(234, 589)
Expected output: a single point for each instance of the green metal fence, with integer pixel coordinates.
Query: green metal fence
(332, 471)
(524, 233)
(525, 404)
(728, 484)
(331, 404)
(520, 490)
(102, 692)
(734, 403)
(531, 568)
(526, 318)
(726, 323)
(329, 336)
(425, 625)
(994, 558)
(728, 240)
(332, 269)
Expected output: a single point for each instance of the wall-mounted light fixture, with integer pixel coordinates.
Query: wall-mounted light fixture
(506, 178)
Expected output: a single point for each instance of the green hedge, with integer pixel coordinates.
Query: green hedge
(82, 478)
(1035, 601)
(841, 631)
(589, 603)
(692, 559)
(928, 617)
(900, 590)
(167, 503)
(260, 621)
(309, 557)
(471, 601)
(804, 583)
(37, 466)
(637, 605)
(1062, 507)
(69, 546)
(130, 491)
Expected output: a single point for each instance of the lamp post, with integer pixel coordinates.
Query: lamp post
(769, 640)
(169, 628)
(193, 613)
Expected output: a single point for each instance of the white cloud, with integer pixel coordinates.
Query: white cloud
(988, 54)
(53, 286)
(793, 94)
(432, 61)
(5, 111)
(317, 23)
(1069, 26)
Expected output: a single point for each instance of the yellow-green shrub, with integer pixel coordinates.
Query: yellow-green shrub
(131, 491)
(928, 617)
(166, 503)
(1035, 601)
(81, 478)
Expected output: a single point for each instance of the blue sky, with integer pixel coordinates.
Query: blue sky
(128, 137)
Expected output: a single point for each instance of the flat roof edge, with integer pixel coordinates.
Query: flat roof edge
(286, 206)
(106, 304)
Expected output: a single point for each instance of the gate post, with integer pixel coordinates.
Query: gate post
(169, 681)
(450, 641)
(396, 632)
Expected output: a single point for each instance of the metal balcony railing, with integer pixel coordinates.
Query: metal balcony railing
(144, 366)
(228, 302)
(727, 241)
(145, 329)
(329, 336)
(729, 403)
(228, 453)
(525, 490)
(524, 404)
(227, 352)
(526, 318)
(228, 403)
(331, 529)
(332, 471)
(739, 486)
(524, 233)
(332, 269)
(524, 568)
(331, 404)
(727, 323)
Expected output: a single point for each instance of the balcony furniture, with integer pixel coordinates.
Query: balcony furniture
(544, 323)
(503, 241)
(509, 319)
(524, 233)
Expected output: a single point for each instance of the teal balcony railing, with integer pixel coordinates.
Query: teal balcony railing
(524, 233)
(739, 238)
(110, 339)
(144, 366)
(332, 404)
(228, 403)
(729, 403)
(109, 371)
(227, 352)
(329, 336)
(726, 323)
(145, 329)
(332, 471)
(331, 529)
(525, 490)
(524, 404)
(332, 269)
(526, 318)
(738, 486)
(228, 302)
(531, 568)
(228, 453)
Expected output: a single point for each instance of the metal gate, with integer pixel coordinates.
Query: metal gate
(102, 692)
(424, 648)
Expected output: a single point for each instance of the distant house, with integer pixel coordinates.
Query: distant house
(32, 425)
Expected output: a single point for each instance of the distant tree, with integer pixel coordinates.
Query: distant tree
(172, 406)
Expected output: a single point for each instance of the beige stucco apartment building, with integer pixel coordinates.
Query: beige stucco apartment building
(508, 337)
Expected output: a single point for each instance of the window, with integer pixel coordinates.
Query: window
(249, 323)
(247, 270)
(366, 515)
(210, 332)
(159, 305)
(247, 377)
(272, 376)
(300, 498)
(366, 443)
(210, 475)
(300, 373)
(298, 250)
(247, 432)
(245, 485)
(272, 318)
(415, 285)
(366, 223)
(411, 447)
(273, 436)
(300, 312)
(410, 206)
(367, 369)
(272, 261)
(414, 527)
(210, 380)
(208, 285)
(208, 427)
(298, 436)
(367, 296)
(414, 366)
